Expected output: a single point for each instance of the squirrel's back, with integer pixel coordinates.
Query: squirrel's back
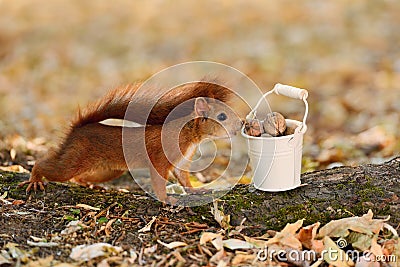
(115, 103)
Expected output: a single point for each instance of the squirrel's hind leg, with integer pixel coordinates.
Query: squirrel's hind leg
(35, 181)
(32, 184)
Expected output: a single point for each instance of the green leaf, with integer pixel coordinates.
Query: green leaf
(102, 220)
(69, 218)
(75, 211)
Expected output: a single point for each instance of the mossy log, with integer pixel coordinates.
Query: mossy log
(324, 195)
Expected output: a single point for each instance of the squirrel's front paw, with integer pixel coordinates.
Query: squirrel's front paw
(33, 184)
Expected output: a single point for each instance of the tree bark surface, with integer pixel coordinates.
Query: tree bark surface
(324, 195)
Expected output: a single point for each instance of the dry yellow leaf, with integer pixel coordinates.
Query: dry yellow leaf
(219, 216)
(243, 258)
(307, 235)
(13, 153)
(375, 248)
(218, 243)
(334, 255)
(287, 238)
(14, 168)
(207, 237)
(244, 180)
(342, 227)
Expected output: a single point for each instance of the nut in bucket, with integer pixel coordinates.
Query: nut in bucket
(275, 144)
(273, 125)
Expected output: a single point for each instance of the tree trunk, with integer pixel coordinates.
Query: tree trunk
(324, 195)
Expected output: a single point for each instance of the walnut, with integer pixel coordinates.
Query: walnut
(274, 125)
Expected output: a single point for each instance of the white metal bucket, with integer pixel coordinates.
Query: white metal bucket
(276, 161)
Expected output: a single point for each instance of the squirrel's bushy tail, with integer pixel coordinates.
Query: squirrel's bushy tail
(112, 105)
(115, 103)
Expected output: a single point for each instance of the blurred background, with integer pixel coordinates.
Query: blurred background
(56, 55)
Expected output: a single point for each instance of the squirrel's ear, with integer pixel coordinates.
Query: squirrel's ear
(201, 107)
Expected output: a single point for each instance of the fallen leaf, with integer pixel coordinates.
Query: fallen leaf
(243, 258)
(4, 261)
(2, 198)
(18, 202)
(218, 257)
(197, 225)
(172, 245)
(38, 239)
(108, 228)
(14, 168)
(256, 242)
(245, 180)
(176, 189)
(286, 238)
(200, 178)
(102, 220)
(42, 244)
(148, 225)
(15, 253)
(48, 261)
(391, 229)
(292, 228)
(342, 227)
(307, 235)
(359, 241)
(87, 252)
(317, 263)
(150, 250)
(178, 256)
(365, 261)
(335, 256)
(389, 246)
(375, 138)
(317, 246)
(375, 248)
(103, 263)
(132, 256)
(114, 261)
(72, 227)
(222, 219)
(207, 237)
(13, 154)
(217, 243)
(123, 190)
(237, 244)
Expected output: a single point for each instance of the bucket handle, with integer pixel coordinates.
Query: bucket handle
(286, 90)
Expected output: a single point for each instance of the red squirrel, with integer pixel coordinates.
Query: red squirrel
(92, 152)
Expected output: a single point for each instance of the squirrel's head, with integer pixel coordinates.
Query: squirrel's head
(215, 118)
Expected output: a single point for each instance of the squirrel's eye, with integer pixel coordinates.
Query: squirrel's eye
(222, 117)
